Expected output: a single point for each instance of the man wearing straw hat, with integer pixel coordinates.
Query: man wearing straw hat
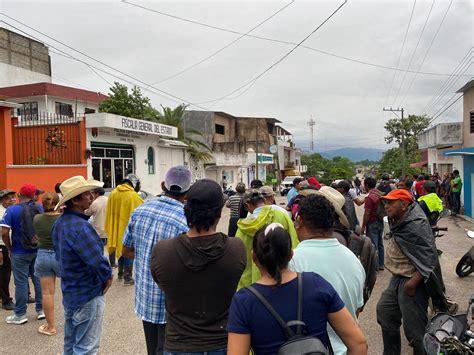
(85, 273)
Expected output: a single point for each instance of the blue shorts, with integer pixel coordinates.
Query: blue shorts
(46, 264)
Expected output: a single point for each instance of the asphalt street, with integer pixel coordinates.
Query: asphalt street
(123, 333)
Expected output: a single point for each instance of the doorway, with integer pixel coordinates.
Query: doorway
(112, 164)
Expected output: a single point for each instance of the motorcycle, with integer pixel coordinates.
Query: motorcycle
(449, 334)
(465, 266)
(228, 191)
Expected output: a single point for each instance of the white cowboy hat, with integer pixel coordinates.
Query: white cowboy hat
(334, 196)
(74, 186)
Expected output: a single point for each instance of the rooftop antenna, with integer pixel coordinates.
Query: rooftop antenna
(311, 124)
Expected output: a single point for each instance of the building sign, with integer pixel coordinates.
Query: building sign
(108, 120)
(265, 158)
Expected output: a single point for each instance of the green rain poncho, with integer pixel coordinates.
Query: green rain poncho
(247, 229)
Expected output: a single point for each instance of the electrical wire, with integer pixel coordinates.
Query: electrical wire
(462, 67)
(414, 52)
(428, 50)
(401, 52)
(354, 60)
(252, 81)
(224, 47)
(168, 95)
(440, 113)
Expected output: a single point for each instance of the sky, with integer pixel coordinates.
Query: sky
(343, 96)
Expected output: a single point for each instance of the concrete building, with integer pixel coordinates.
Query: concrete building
(22, 60)
(466, 153)
(439, 139)
(236, 143)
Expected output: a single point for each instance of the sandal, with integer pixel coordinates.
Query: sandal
(43, 329)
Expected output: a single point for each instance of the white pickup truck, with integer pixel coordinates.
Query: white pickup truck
(287, 184)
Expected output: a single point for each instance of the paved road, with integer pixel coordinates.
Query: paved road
(122, 331)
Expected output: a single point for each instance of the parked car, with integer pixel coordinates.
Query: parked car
(287, 184)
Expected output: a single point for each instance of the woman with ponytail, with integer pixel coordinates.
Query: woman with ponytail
(46, 265)
(251, 325)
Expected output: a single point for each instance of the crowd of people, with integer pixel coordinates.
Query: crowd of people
(281, 274)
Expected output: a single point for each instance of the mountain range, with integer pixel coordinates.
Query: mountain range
(354, 154)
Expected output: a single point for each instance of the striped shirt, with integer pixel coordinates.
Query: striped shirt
(234, 203)
(155, 220)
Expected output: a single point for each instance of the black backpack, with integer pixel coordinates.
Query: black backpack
(29, 240)
(297, 343)
(368, 256)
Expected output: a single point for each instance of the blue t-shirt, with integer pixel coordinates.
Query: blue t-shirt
(12, 220)
(292, 194)
(248, 315)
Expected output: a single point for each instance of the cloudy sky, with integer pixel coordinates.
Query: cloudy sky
(344, 96)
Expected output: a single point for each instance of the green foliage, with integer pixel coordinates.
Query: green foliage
(391, 162)
(328, 170)
(133, 104)
(174, 117)
(367, 162)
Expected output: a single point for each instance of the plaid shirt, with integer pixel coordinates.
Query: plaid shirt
(82, 265)
(155, 220)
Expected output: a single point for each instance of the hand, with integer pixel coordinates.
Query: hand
(410, 288)
(107, 285)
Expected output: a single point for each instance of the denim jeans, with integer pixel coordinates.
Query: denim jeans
(375, 233)
(83, 328)
(46, 264)
(24, 265)
(456, 201)
(211, 352)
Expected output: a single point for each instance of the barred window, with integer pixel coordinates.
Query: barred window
(29, 111)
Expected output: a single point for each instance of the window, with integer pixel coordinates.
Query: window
(472, 121)
(63, 109)
(29, 111)
(151, 161)
(88, 110)
(220, 129)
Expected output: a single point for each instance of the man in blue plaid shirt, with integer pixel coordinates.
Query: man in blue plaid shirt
(85, 273)
(156, 220)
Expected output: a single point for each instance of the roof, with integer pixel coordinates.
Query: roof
(40, 89)
(9, 104)
(284, 131)
(462, 151)
(268, 119)
(467, 86)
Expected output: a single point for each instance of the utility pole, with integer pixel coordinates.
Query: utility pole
(403, 135)
(256, 148)
(311, 124)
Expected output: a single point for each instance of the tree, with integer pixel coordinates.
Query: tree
(174, 117)
(134, 104)
(391, 162)
(327, 171)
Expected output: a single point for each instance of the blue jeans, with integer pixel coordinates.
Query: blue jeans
(456, 201)
(83, 328)
(375, 233)
(23, 265)
(211, 352)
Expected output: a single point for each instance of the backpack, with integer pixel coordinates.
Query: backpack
(294, 206)
(297, 343)
(28, 238)
(368, 256)
(380, 206)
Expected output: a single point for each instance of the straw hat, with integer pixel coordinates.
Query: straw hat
(75, 186)
(335, 197)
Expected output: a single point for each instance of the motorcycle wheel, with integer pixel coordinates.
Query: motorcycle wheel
(464, 266)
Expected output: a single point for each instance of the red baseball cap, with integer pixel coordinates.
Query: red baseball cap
(313, 181)
(399, 194)
(28, 190)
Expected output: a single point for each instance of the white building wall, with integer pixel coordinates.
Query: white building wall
(11, 76)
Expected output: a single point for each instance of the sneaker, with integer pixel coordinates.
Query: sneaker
(41, 315)
(10, 306)
(31, 299)
(130, 282)
(14, 319)
(381, 268)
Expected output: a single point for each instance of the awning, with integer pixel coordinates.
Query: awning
(420, 164)
(463, 151)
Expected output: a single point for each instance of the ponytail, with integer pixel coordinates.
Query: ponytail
(272, 248)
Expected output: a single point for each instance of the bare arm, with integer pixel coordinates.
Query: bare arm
(348, 330)
(128, 253)
(238, 344)
(359, 201)
(6, 237)
(365, 220)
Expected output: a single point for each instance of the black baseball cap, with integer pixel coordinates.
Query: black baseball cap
(206, 192)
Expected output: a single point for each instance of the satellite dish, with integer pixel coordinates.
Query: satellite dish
(273, 149)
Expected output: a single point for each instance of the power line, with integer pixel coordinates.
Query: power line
(252, 81)
(414, 52)
(180, 100)
(401, 52)
(428, 50)
(439, 114)
(224, 47)
(463, 66)
(354, 60)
